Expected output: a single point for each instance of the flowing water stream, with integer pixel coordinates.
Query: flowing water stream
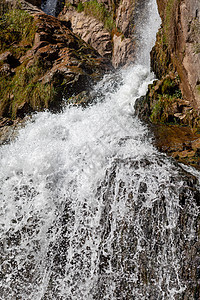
(49, 7)
(90, 209)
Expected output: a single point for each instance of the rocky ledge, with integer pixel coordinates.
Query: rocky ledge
(108, 26)
(42, 63)
(172, 102)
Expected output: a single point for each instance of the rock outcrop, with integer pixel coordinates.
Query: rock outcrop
(90, 30)
(175, 59)
(180, 35)
(52, 65)
(108, 26)
(174, 99)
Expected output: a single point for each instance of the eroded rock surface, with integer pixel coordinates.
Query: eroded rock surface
(117, 42)
(58, 61)
(90, 30)
(177, 48)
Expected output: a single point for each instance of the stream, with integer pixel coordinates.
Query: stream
(90, 210)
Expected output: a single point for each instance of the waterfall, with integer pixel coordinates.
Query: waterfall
(90, 209)
(49, 7)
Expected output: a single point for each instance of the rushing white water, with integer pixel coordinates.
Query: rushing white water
(49, 7)
(89, 208)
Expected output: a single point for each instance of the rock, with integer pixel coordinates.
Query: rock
(117, 43)
(178, 47)
(35, 2)
(8, 58)
(145, 222)
(5, 70)
(58, 65)
(179, 142)
(175, 97)
(31, 6)
(123, 51)
(9, 129)
(90, 30)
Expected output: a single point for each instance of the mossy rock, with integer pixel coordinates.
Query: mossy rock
(52, 64)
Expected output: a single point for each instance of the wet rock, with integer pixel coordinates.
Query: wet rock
(9, 129)
(142, 187)
(143, 233)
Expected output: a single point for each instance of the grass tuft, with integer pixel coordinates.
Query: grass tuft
(17, 32)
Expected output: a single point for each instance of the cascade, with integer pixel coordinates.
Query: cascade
(90, 209)
(49, 7)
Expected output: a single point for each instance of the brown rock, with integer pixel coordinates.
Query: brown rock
(59, 62)
(90, 30)
(123, 51)
(179, 142)
(121, 48)
(182, 30)
(5, 70)
(35, 2)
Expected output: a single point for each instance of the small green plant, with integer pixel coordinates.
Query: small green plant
(24, 87)
(98, 11)
(80, 7)
(17, 32)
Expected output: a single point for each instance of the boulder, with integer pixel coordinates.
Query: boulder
(58, 65)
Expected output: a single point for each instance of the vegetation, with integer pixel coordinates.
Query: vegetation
(162, 111)
(24, 87)
(169, 23)
(165, 101)
(80, 7)
(4, 7)
(17, 32)
(98, 11)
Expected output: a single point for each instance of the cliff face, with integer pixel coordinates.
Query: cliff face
(108, 26)
(174, 99)
(181, 33)
(176, 56)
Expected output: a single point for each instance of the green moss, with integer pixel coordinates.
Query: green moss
(169, 23)
(162, 110)
(80, 7)
(98, 11)
(165, 99)
(171, 88)
(4, 7)
(17, 32)
(25, 87)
